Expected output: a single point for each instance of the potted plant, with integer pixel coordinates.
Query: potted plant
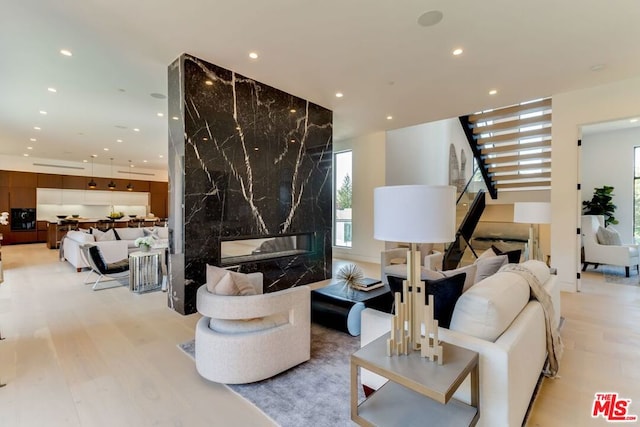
(601, 204)
(144, 243)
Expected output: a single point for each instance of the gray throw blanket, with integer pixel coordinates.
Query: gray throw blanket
(554, 342)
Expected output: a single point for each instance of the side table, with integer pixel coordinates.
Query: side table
(144, 271)
(418, 391)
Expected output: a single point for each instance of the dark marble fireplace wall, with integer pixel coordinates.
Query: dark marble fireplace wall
(246, 160)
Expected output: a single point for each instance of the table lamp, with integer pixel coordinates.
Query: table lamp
(532, 213)
(414, 214)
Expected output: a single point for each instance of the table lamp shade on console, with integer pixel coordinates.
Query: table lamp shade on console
(532, 213)
(414, 214)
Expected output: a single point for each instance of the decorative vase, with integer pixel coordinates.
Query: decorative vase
(145, 248)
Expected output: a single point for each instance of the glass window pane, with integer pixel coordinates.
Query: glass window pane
(342, 198)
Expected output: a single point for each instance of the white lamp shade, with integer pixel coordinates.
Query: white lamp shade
(532, 212)
(415, 213)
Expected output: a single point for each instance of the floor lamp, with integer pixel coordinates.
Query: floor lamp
(414, 214)
(532, 213)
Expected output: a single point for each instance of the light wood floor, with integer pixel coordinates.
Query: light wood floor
(75, 357)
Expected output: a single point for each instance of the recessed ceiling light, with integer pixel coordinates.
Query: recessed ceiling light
(32, 139)
(44, 113)
(118, 140)
(161, 156)
(493, 92)
(136, 130)
(160, 114)
(29, 148)
(26, 155)
(144, 161)
(429, 19)
(66, 52)
(105, 149)
(339, 94)
(633, 120)
(457, 52)
(389, 117)
(175, 118)
(94, 155)
(52, 89)
(132, 165)
(36, 127)
(253, 55)
(208, 82)
(85, 161)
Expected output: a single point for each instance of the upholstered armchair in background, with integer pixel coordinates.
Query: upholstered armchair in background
(393, 261)
(610, 254)
(245, 335)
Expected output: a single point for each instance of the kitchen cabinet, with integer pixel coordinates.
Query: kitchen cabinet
(49, 180)
(22, 197)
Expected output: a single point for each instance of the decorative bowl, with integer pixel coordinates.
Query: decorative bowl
(61, 216)
(75, 216)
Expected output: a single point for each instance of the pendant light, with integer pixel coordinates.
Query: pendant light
(112, 185)
(130, 185)
(92, 183)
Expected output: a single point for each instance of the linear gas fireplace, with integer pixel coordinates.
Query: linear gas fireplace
(233, 252)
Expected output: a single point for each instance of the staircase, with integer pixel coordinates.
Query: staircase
(455, 251)
(512, 146)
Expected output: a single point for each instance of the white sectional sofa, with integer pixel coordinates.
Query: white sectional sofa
(113, 248)
(496, 318)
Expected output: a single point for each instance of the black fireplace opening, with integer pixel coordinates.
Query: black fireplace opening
(23, 219)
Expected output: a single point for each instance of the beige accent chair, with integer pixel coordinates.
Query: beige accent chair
(390, 260)
(596, 253)
(243, 339)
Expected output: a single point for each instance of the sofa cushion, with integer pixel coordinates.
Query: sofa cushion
(224, 282)
(129, 233)
(470, 272)
(445, 291)
(103, 236)
(230, 326)
(487, 309)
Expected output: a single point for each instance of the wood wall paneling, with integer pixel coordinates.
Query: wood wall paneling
(22, 197)
(23, 179)
(49, 180)
(158, 204)
(4, 179)
(158, 187)
(142, 186)
(73, 182)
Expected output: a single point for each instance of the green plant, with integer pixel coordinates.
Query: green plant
(343, 199)
(600, 204)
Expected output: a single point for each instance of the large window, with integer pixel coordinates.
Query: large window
(342, 199)
(636, 195)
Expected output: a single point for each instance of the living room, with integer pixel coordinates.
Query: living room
(601, 99)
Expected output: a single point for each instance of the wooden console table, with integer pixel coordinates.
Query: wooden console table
(419, 391)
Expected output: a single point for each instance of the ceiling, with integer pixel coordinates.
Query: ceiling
(374, 52)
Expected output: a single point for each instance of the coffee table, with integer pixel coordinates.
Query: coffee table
(338, 306)
(419, 391)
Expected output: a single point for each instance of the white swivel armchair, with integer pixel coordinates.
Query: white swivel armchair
(243, 339)
(596, 253)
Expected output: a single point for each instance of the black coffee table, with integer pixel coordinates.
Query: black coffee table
(337, 306)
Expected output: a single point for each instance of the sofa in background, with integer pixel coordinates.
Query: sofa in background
(115, 244)
(496, 318)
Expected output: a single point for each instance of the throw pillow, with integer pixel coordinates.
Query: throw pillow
(608, 236)
(107, 236)
(151, 232)
(234, 284)
(487, 254)
(489, 266)
(445, 291)
(470, 271)
(214, 275)
(513, 256)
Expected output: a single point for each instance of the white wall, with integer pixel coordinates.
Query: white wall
(608, 159)
(61, 167)
(570, 110)
(368, 173)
